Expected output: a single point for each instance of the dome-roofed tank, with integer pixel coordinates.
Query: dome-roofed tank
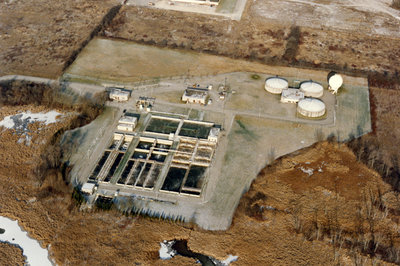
(275, 85)
(312, 89)
(335, 81)
(311, 107)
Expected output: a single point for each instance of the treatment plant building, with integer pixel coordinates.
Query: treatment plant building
(195, 95)
(119, 95)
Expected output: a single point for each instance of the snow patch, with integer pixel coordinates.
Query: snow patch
(308, 171)
(267, 207)
(13, 234)
(166, 251)
(21, 120)
(229, 260)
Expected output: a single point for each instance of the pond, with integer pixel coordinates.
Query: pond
(11, 232)
(180, 247)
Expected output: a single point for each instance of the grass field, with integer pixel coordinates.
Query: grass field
(105, 60)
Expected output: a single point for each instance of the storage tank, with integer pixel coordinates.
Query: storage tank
(275, 85)
(335, 81)
(311, 107)
(312, 89)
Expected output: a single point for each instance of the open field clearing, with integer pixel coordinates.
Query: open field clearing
(38, 37)
(128, 62)
(124, 62)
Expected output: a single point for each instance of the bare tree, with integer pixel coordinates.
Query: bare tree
(396, 4)
(295, 211)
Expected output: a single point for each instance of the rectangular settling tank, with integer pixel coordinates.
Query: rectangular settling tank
(163, 126)
(99, 165)
(174, 179)
(194, 130)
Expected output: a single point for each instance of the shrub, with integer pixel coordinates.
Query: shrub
(396, 4)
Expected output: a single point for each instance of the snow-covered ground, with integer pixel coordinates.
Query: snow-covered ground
(229, 260)
(35, 254)
(21, 120)
(166, 252)
(369, 16)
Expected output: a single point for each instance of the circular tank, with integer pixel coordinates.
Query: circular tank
(311, 107)
(312, 89)
(335, 82)
(275, 85)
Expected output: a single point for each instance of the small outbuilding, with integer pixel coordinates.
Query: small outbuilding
(291, 95)
(88, 188)
(276, 85)
(213, 135)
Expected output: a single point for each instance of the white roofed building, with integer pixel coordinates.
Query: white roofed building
(195, 95)
(127, 123)
(125, 127)
(88, 188)
(119, 95)
(214, 133)
(291, 95)
(128, 120)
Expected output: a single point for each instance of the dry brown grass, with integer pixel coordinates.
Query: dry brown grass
(346, 204)
(21, 159)
(38, 37)
(11, 255)
(248, 38)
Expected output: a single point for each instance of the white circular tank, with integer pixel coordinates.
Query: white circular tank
(335, 82)
(275, 85)
(312, 89)
(311, 107)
